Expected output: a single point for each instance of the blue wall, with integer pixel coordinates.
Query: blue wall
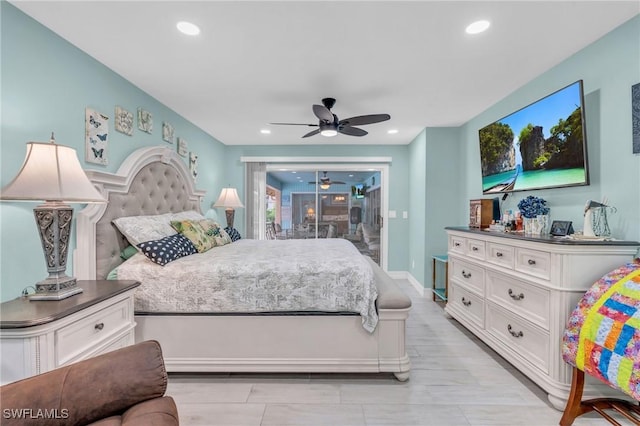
(46, 84)
(608, 67)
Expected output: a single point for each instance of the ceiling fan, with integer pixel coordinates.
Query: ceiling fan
(329, 125)
(325, 182)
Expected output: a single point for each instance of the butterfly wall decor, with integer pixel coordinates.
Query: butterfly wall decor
(124, 121)
(96, 137)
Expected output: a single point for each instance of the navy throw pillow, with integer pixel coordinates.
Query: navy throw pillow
(233, 233)
(167, 249)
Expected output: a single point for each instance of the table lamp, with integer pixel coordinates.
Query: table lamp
(52, 173)
(229, 200)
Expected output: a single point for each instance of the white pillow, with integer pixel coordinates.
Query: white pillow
(139, 229)
(186, 215)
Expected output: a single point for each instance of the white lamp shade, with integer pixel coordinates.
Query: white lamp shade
(51, 172)
(228, 199)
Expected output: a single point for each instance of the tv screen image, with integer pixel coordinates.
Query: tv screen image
(542, 145)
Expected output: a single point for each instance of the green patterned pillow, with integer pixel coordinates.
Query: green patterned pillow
(216, 231)
(194, 231)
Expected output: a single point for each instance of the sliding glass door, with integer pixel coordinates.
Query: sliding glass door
(298, 200)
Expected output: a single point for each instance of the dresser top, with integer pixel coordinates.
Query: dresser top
(549, 239)
(21, 312)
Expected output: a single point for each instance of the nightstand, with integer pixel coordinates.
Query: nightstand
(38, 336)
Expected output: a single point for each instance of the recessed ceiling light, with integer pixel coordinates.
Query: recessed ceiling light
(294, 172)
(265, 131)
(478, 27)
(392, 131)
(350, 175)
(188, 28)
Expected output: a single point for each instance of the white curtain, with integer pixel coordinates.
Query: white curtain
(256, 208)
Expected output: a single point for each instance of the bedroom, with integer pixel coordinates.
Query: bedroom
(33, 57)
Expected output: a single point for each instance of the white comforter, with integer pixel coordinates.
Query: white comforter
(328, 275)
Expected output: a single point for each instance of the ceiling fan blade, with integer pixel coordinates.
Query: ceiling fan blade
(364, 119)
(311, 133)
(337, 182)
(352, 131)
(323, 113)
(294, 124)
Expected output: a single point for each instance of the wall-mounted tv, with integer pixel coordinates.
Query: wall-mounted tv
(542, 145)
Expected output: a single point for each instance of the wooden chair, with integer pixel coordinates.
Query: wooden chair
(576, 407)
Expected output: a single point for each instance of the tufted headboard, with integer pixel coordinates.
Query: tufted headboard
(152, 180)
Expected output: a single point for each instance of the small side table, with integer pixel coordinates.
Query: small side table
(38, 336)
(440, 289)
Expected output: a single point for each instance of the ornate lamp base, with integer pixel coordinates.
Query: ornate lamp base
(230, 214)
(54, 226)
(59, 291)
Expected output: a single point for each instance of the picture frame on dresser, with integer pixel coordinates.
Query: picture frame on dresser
(561, 228)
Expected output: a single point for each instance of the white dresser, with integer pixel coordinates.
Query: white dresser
(516, 293)
(38, 336)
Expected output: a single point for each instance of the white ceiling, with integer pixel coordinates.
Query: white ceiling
(265, 61)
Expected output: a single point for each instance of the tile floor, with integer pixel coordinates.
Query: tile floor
(455, 380)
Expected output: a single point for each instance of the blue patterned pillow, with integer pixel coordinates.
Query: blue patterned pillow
(167, 249)
(233, 233)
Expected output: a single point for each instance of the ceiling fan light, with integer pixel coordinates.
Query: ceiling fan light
(325, 186)
(329, 132)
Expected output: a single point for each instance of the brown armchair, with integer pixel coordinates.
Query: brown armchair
(123, 387)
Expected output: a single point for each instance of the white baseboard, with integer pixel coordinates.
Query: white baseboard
(405, 275)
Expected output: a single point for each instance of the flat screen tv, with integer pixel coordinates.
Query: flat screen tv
(542, 145)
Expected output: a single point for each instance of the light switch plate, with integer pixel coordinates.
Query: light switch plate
(392, 214)
(405, 215)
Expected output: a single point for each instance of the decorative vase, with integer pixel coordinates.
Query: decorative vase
(543, 223)
(536, 225)
(528, 224)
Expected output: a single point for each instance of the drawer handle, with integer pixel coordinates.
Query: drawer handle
(466, 274)
(498, 254)
(457, 244)
(516, 296)
(513, 333)
(466, 302)
(474, 248)
(531, 262)
(99, 326)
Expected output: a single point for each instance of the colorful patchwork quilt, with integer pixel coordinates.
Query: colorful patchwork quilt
(602, 337)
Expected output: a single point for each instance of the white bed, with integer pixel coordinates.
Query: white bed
(155, 180)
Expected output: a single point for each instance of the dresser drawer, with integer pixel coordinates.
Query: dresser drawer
(533, 262)
(457, 244)
(92, 330)
(523, 337)
(468, 304)
(476, 249)
(500, 254)
(525, 300)
(469, 276)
